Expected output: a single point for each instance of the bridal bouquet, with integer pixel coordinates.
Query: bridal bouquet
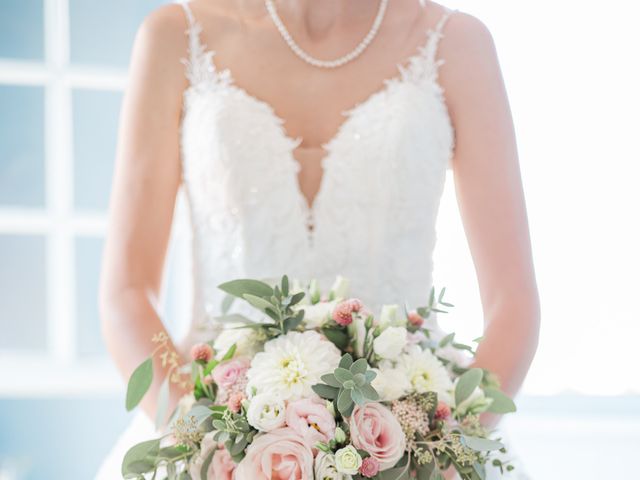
(322, 388)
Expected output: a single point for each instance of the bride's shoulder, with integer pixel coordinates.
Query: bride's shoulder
(459, 26)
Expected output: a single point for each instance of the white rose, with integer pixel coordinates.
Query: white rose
(390, 317)
(391, 383)
(390, 342)
(316, 315)
(266, 412)
(324, 468)
(348, 460)
(476, 402)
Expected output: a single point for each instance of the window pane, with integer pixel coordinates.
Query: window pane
(102, 32)
(22, 283)
(21, 146)
(22, 29)
(95, 125)
(88, 253)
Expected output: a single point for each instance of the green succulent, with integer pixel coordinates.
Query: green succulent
(349, 384)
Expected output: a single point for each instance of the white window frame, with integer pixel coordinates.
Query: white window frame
(57, 368)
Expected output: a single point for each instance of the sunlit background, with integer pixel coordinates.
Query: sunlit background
(572, 73)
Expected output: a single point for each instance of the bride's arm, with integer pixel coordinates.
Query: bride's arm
(491, 201)
(146, 180)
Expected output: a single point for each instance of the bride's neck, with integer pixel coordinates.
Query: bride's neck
(319, 17)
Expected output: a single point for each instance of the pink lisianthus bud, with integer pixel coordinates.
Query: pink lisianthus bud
(207, 380)
(370, 467)
(415, 319)
(202, 352)
(234, 404)
(442, 411)
(342, 312)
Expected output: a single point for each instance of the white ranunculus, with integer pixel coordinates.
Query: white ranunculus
(266, 412)
(340, 287)
(391, 382)
(348, 460)
(291, 364)
(324, 468)
(390, 316)
(315, 316)
(476, 403)
(426, 373)
(390, 342)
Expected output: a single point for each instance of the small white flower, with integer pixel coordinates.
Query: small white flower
(390, 342)
(476, 403)
(390, 317)
(391, 382)
(426, 373)
(324, 468)
(315, 316)
(340, 287)
(247, 342)
(357, 331)
(348, 460)
(266, 412)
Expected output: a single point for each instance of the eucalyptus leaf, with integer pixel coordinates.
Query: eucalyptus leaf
(370, 393)
(200, 413)
(240, 287)
(357, 396)
(204, 470)
(343, 375)
(227, 301)
(258, 302)
(139, 384)
(467, 383)
(330, 379)
(346, 361)
(140, 458)
(481, 444)
(501, 402)
(344, 401)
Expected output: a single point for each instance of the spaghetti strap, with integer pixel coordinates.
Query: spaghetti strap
(198, 61)
(435, 35)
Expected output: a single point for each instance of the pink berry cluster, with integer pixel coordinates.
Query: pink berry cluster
(342, 313)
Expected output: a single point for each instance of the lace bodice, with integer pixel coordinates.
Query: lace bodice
(375, 213)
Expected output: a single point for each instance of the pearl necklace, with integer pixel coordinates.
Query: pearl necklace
(355, 53)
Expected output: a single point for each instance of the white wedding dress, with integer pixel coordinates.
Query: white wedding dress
(373, 219)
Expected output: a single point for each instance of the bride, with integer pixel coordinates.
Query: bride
(312, 138)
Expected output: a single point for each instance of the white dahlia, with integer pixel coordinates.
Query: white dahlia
(291, 364)
(426, 373)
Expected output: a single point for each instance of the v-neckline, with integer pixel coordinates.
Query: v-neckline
(309, 209)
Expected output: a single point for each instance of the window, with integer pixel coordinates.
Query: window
(62, 71)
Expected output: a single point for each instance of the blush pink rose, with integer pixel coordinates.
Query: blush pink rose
(281, 454)
(311, 420)
(375, 430)
(229, 373)
(222, 465)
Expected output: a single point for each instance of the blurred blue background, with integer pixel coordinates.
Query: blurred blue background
(62, 72)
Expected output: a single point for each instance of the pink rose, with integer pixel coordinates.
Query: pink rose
(229, 373)
(311, 420)
(281, 454)
(369, 467)
(222, 465)
(375, 430)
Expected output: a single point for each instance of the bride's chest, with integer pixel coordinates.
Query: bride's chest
(236, 147)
